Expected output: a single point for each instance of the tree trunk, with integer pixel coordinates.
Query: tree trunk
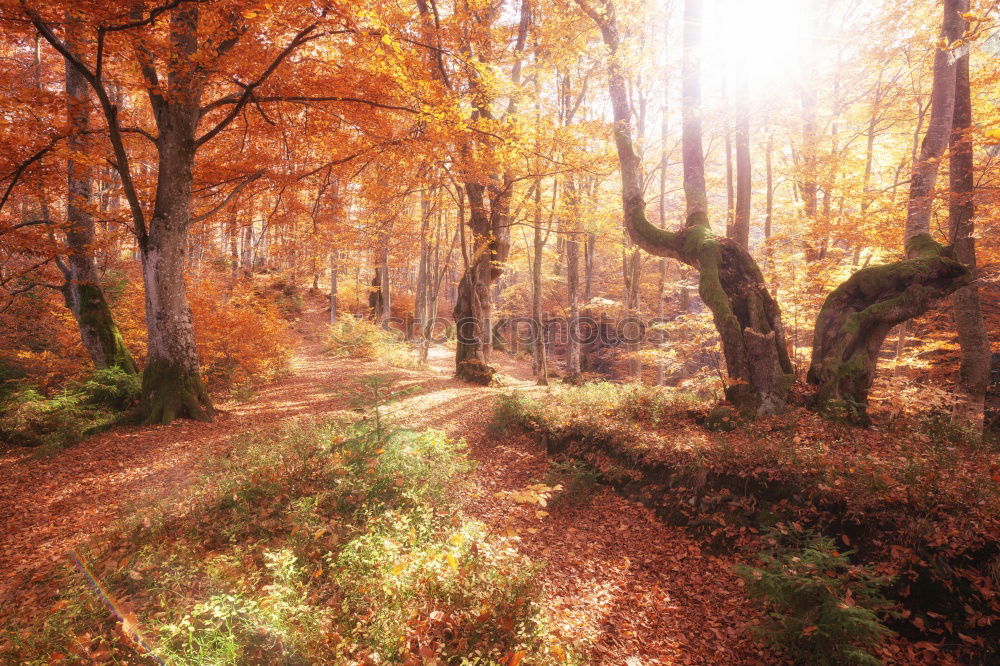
(925, 168)
(572, 282)
(474, 307)
(333, 286)
(974, 371)
(730, 283)
(82, 292)
(693, 156)
(171, 384)
(537, 333)
(741, 215)
(856, 317)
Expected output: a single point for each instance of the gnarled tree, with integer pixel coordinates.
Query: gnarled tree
(730, 283)
(856, 317)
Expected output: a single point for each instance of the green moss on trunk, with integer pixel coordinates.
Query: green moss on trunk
(170, 392)
(857, 315)
(100, 334)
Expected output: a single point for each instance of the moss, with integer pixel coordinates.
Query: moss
(923, 246)
(651, 233)
(169, 392)
(95, 314)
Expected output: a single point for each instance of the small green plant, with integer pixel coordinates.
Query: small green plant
(511, 411)
(28, 418)
(112, 387)
(820, 607)
(577, 480)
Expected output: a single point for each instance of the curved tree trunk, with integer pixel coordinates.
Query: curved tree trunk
(856, 317)
(730, 283)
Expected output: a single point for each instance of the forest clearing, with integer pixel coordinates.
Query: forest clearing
(500, 332)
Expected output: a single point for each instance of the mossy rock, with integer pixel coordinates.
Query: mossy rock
(722, 418)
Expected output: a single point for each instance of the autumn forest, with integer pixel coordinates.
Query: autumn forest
(500, 332)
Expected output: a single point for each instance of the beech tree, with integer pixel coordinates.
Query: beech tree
(856, 316)
(730, 283)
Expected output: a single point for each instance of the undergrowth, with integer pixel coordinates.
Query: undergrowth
(821, 609)
(914, 498)
(366, 340)
(321, 542)
(29, 418)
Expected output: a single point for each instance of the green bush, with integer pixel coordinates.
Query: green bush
(820, 607)
(28, 418)
(511, 410)
(112, 388)
(366, 340)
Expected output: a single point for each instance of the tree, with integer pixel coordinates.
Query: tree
(171, 385)
(974, 371)
(82, 290)
(856, 317)
(730, 283)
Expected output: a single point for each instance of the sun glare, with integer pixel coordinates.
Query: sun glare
(763, 41)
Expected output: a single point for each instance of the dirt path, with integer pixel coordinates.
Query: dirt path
(618, 581)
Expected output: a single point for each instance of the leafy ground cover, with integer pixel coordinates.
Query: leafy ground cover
(321, 542)
(916, 501)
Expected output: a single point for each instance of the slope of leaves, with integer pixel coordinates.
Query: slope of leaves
(916, 506)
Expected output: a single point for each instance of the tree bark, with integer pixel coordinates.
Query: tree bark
(693, 156)
(82, 292)
(474, 306)
(573, 294)
(171, 383)
(537, 333)
(974, 370)
(925, 167)
(741, 214)
(856, 317)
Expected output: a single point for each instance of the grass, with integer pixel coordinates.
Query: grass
(321, 542)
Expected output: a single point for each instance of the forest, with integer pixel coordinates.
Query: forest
(500, 332)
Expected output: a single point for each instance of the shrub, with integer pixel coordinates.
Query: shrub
(511, 410)
(30, 419)
(820, 607)
(319, 542)
(366, 340)
(111, 387)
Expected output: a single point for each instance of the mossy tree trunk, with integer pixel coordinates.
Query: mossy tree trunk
(856, 317)
(730, 283)
(171, 383)
(82, 292)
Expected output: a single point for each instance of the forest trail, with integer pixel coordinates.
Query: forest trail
(616, 579)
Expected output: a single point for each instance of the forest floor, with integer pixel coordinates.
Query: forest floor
(618, 582)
